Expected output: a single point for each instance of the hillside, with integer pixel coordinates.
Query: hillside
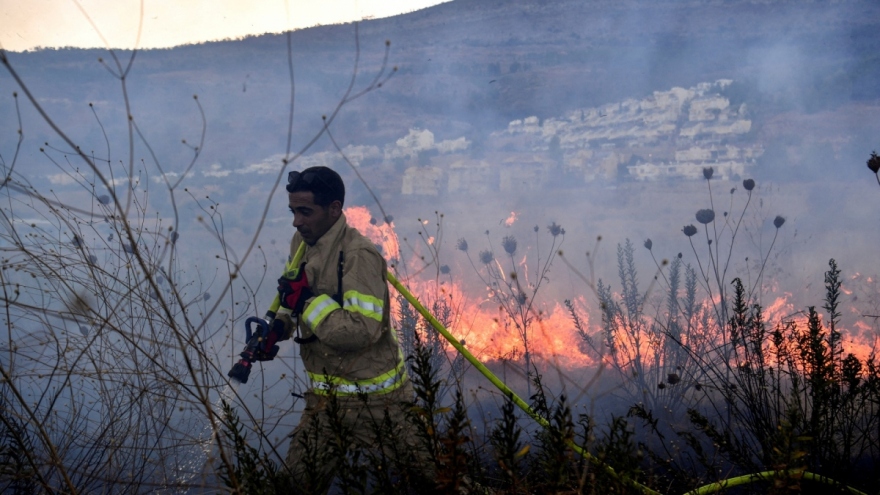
(566, 180)
(468, 68)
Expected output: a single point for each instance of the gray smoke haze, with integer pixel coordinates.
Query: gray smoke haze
(504, 117)
(802, 76)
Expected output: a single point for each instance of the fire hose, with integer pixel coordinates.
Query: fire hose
(511, 395)
(254, 340)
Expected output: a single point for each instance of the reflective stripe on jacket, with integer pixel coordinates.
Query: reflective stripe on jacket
(322, 305)
(356, 350)
(382, 384)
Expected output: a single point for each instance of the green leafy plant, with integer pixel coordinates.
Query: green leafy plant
(509, 450)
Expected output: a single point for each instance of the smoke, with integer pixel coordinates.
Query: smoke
(778, 66)
(436, 139)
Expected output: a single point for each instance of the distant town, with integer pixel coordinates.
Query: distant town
(671, 134)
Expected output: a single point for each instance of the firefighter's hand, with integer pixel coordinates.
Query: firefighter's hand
(276, 334)
(294, 292)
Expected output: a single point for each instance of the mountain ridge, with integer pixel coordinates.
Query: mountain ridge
(467, 68)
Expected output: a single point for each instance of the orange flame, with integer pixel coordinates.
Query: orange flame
(486, 330)
(511, 219)
(492, 335)
(780, 308)
(382, 235)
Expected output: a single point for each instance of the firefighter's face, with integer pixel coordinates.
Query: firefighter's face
(311, 220)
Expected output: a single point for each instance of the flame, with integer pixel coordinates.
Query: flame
(486, 330)
(490, 334)
(859, 341)
(511, 219)
(562, 344)
(552, 338)
(780, 308)
(382, 235)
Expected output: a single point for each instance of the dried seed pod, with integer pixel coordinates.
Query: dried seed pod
(509, 244)
(874, 162)
(705, 216)
(486, 257)
(778, 221)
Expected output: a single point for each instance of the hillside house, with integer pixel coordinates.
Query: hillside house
(472, 177)
(686, 170)
(707, 108)
(422, 181)
(593, 165)
(525, 172)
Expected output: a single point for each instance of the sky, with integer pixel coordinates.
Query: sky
(25, 25)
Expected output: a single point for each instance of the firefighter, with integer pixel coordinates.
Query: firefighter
(355, 364)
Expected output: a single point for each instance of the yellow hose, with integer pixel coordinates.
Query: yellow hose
(290, 271)
(704, 490)
(766, 475)
(503, 387)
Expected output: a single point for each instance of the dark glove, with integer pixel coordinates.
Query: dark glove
(276, 333)
(295, 292)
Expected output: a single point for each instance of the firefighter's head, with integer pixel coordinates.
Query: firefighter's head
(315, 197)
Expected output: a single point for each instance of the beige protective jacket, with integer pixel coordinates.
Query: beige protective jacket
(356, 350)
